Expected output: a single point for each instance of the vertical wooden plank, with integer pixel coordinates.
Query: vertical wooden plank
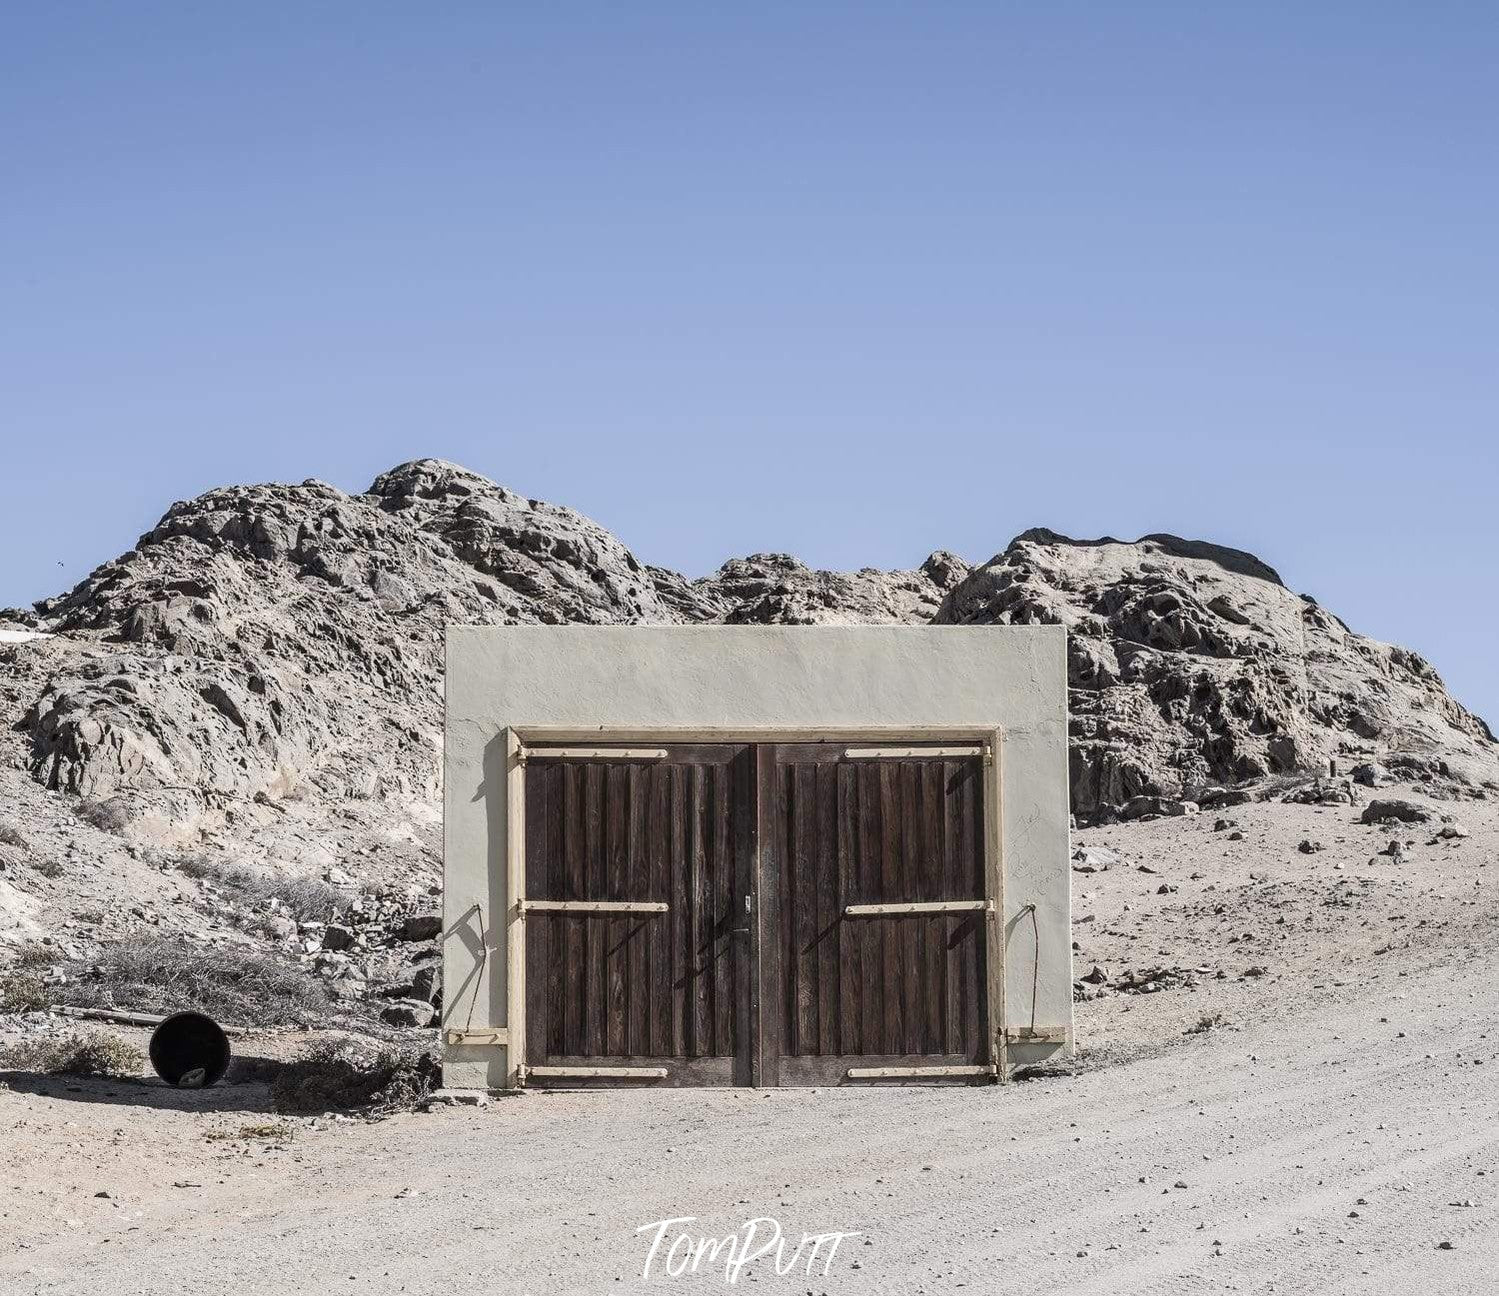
(769, 941)
(537, 872)
(893, 982)
(995, 878)
(637, 887)
(515, 925)
(829, 916)
(723, 918)
(576, 972)
(556, 963)
(658, 933)
(871, 891)
(681, 980)
(804, 905)
(909, 773)
(615, 780)
(701, 953)
(934, 926)
(849, 945)
(956, 885)
(743, 917)
(595, 933)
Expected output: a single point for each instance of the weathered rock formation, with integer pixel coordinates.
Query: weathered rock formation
(269, 644)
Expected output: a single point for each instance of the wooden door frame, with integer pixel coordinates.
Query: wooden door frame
(519, 740)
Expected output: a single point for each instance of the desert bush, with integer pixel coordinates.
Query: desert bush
(22, 990)
(303, 899)
(108, 815)
(1207, 1022)
(251, 1132)
(21, 986)
(92, 1054)
(339, 1075)
(155, 974)
(46, 867)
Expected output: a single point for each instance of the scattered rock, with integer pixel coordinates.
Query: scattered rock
(421, 927)
(408, 1012)
(1393, 811)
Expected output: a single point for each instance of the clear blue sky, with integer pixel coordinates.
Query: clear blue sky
(851, 280)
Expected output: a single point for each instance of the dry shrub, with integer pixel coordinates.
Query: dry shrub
(110, 814)
(303, 899)
(1207, 1022)
(92, 1054)
(251, 1132)
(21, 986)
(22, 991)
(235, 986)
(334, 1075)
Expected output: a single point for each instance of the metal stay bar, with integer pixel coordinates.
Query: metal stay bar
(910, 753)
(595, 906)
(596, 1072)
(919, 1072)
(593, 753)
(917, 907)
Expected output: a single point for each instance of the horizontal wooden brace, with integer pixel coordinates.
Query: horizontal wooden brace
(916, 907)
(484, 1035)
(909, 753)
(596, 1073)
(917, 1072)
(593, 753)
(595, 906)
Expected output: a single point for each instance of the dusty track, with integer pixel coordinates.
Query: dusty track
(1276, 1131)
(1364, 1063)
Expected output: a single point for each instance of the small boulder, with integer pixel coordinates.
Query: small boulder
(420, 927)
(408, 1012)
(337, 937)
(1390, 811)
(426, 983)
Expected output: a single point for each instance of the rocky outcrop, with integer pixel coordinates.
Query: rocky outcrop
(776, 589)
(1192, 665)
(274, 643)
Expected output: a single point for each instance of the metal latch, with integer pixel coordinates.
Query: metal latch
(478, 1035)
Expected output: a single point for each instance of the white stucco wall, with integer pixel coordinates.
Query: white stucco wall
(757, 682)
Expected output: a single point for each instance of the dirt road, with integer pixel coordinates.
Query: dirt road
(1320, 1153)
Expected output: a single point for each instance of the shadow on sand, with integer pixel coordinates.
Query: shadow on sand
(251, 1093)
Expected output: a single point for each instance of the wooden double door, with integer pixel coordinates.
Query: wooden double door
(756, 914)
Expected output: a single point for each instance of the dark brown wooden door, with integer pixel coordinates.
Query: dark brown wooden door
(687, 916)
(843, 991)
(646, 997)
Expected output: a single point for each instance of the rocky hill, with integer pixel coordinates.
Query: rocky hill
(274, 651)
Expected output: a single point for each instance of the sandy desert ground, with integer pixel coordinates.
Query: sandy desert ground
(1328, 1123)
